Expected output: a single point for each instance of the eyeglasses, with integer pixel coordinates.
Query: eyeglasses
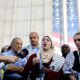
(77, 40)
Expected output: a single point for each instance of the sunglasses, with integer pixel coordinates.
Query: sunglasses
(77, 40)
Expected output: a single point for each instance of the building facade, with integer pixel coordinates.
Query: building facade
(54, 17)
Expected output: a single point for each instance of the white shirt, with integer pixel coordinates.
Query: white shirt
(67, 68)
(32, 50)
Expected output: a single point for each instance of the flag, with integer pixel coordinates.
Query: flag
(72, 21)
(72, 15)
(57, 22)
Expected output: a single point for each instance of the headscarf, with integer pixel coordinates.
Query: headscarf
(47, 55)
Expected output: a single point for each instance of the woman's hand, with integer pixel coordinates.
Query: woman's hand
(46, 69)
(35, 60)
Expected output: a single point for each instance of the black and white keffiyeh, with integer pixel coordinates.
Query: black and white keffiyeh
(57, 63)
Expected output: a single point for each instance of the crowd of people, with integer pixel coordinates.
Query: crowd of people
(39, 61)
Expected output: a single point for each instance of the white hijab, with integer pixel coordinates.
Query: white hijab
(57, 60)
(46, 56)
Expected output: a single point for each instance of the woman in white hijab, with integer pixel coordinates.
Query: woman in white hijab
(52, 62)
(46, 65)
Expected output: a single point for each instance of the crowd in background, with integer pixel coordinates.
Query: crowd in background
(39, 61)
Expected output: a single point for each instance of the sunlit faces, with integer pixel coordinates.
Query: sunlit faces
(17, 45)
(46, 43)
(77, 41)
(34, 38)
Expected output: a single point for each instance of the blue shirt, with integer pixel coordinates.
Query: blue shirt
(20, 62)
(32, 50)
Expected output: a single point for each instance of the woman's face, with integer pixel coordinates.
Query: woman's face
(46, 43)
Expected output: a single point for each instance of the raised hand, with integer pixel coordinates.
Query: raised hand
(35, 60)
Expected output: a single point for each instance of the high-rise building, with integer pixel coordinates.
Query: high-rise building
(60, 18)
